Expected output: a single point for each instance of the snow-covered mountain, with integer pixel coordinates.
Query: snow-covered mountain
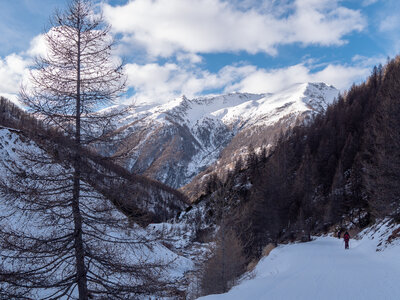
(176, 141)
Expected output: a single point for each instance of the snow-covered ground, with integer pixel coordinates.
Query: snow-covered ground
(323, 269)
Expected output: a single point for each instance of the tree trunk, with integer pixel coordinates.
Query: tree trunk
(79, 250)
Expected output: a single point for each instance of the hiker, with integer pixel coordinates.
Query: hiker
(346, 240)
(339, 234)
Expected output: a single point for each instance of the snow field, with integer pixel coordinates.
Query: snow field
(323, 269)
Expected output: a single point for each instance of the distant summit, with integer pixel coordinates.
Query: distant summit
(176, 141)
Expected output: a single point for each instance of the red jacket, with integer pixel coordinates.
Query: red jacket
(346, 237)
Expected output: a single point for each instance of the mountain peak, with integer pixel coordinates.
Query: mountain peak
(173, 142)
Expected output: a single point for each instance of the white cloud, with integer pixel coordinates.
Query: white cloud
(341, 76)
(165, 27)
(38, 46)
(189, 57)
(161, 83)
(389, 27)
(369, 2)
(322, 22)
(390, 24)
(13, 68)
(262, 80)
(369, 62)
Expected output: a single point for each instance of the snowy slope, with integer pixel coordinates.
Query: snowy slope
(175, 141)
(322, 269)
(13, 146)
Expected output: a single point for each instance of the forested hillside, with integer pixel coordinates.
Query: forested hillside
(342, 167)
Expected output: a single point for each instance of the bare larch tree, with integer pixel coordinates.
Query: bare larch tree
(60, 237)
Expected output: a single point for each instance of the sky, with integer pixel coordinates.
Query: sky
(201, 47)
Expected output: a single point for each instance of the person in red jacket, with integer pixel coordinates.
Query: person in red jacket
(346, 240)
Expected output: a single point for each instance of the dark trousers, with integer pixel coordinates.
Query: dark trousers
(346, 244)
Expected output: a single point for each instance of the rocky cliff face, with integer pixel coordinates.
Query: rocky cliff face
(175, 142)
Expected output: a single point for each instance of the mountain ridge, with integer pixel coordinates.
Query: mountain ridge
(175, 141)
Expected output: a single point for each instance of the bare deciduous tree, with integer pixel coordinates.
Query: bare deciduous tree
(60, 237)
(225, 265)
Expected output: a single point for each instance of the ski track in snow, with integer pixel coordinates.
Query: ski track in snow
(323, 269)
